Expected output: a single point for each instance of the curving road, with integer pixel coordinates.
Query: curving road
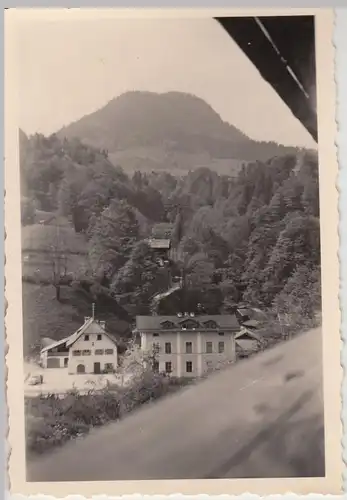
(262, 417)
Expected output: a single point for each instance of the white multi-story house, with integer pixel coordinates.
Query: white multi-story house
(89, 350)
(188, 345)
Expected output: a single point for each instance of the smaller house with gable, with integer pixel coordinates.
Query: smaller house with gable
(88, 350)
(247, 341)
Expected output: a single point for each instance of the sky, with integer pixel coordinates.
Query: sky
(70, 68)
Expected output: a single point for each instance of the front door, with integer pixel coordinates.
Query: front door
(81, 369)
(97, 368)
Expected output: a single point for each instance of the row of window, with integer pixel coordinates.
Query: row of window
(97, 352)
(98, 337)
(108, 368)
(168, 366)
(189, 347)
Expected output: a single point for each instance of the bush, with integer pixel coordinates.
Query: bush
(51, 420)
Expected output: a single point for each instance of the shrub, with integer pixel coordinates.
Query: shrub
(51, 420)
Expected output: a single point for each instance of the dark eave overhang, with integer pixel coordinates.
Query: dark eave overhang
(283, 51)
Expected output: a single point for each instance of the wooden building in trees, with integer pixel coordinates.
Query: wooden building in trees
(161, 238)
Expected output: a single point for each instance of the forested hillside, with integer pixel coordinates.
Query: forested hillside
(253, 238)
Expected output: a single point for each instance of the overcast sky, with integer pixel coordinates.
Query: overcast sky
(72, 68)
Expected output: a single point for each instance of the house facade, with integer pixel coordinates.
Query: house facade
(247, 342)
(89, 350)
(189, 345)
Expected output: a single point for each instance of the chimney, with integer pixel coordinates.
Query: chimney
(102, 324)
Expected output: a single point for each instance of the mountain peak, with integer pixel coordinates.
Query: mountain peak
(171, 130)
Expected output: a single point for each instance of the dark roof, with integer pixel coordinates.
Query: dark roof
(253, 313)
(169, 323)
(252, 323)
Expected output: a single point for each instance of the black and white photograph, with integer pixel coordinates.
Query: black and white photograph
(173, 292)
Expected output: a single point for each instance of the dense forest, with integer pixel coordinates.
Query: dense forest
(253, 238)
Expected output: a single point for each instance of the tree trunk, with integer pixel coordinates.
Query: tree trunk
(57, 292)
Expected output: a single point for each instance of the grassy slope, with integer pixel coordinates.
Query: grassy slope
(57, 232)
(43, 315)
(38, 241)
